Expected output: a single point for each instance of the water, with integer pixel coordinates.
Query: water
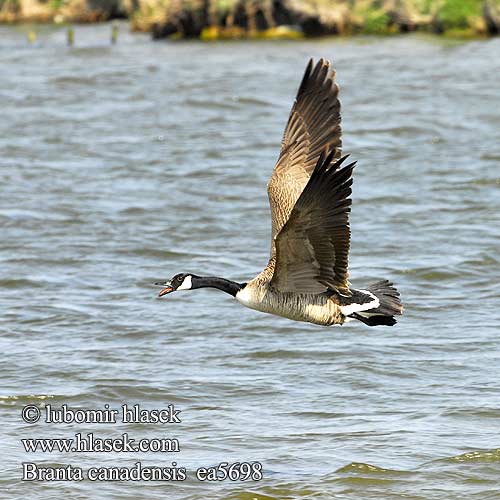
(125, 165)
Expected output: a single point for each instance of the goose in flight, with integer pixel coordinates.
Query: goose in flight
(306, 278)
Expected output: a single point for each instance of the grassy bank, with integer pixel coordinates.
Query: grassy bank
(47, 11)
(220, 19)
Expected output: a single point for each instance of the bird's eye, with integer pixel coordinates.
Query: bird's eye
(179, 278)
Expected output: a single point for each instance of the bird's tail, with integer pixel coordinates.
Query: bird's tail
(389, 305)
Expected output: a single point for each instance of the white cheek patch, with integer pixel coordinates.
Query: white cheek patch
(186, 284)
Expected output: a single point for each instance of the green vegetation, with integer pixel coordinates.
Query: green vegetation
(459, 14)
(376, 22)
(368, 17)
(56, 4)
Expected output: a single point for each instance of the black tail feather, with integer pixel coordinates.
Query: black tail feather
(390, 303)
(389, 306)
(375, 320)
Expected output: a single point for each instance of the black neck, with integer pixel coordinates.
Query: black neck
(228, 286)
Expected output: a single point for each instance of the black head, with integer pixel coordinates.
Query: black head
(181, 281)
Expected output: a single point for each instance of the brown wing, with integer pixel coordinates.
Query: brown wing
(313, 127)
(312, 249)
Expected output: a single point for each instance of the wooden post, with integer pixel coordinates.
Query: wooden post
(114, 32)
(70, 36)
(31, 36)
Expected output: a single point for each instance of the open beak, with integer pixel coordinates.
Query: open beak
(168, 287)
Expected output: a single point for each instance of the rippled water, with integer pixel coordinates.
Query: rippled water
(124, 165)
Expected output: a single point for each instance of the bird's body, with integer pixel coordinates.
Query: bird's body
(306, 278)
(312, 308)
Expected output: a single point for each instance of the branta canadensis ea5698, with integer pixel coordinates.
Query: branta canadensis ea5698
(309, 193)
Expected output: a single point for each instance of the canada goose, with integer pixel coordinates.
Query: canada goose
(309, 193)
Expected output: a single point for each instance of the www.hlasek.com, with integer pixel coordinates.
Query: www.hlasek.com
(90, 443)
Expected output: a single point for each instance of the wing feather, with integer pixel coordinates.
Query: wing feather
(313, 126)
(312, 248)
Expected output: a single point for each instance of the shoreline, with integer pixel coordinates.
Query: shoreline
(268, 19)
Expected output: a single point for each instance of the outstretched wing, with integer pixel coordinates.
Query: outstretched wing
(312, 249)
(313, 127)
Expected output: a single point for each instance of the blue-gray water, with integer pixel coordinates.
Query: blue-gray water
(124, 165)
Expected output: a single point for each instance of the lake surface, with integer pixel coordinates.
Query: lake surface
(124, 165)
